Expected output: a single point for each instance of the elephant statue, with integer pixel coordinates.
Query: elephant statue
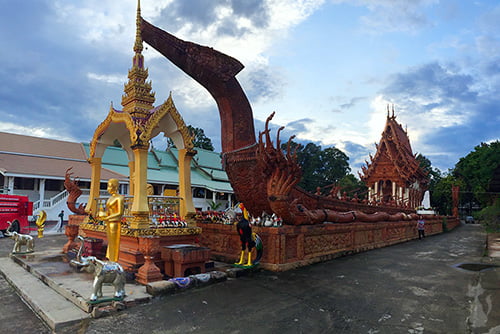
(20, 240)
(104, 272)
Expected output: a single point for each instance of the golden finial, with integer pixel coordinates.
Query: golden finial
(138, 38)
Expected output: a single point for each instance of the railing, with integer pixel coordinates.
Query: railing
(163, 210)
(102, 193)
(49, 203)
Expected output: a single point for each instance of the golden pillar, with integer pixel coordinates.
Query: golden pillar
(131, 168)
(140, 207)
(95, 185)
(186, 205)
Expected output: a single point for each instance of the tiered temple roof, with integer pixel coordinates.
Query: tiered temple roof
(394, 159)
(394, 174)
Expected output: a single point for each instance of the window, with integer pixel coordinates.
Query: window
(209, 194)
(222, 196)
(199, 193)
(54, 185)
(23, 183)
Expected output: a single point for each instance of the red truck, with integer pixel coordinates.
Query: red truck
(15, 209)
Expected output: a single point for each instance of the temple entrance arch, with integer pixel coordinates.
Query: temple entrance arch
(135, 135)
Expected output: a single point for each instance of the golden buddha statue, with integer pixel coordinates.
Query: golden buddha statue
(113, 218)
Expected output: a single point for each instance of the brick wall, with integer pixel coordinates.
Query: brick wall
(288, 247)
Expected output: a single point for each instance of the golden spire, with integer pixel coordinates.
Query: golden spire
(138, 98)
(138, 38)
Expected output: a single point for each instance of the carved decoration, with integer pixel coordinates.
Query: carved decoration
(149, 272)
(74, 192)
(146, 231)
(325, 243)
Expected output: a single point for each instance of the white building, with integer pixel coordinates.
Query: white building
(36, 167)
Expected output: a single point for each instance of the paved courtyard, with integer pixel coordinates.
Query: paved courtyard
(414, 287)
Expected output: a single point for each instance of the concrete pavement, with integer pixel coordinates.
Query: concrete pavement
(430, 286)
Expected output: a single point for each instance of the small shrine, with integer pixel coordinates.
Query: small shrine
(147, 219)
(394, 175)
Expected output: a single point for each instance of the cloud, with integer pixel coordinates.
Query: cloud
(109, 78)
(300, 125)
(445, 114)
(352, 103)
(357, 154)
(243, 29)
(433, 84)
(393, 15)
(230, 18)
(33, 131)
(262, 83)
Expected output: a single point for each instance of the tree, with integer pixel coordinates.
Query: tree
(320, 167)
(353, 186)
(441, 194)
(433, 173)
(200, 140)
(476, 171)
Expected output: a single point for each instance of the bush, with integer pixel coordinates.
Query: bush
(490, 217)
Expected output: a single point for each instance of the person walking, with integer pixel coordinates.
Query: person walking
(421, 228)
(61, 217)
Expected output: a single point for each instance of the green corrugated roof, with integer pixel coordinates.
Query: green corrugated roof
(208, 159)
(199, 179)
(164, 175)
(216, 174)
(167, 159)
(206, 167)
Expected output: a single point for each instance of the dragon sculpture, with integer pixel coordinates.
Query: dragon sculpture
(262, 176)
(74, 192)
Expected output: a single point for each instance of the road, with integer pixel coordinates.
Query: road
(414, 287)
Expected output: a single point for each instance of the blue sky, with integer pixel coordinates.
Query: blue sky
(327, 67)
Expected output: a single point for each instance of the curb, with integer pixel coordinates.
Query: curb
(57, 312)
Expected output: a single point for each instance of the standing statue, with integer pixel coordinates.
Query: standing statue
(20, 240)
(113, 219)
(104, 272)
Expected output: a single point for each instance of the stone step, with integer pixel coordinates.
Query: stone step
(57, 312)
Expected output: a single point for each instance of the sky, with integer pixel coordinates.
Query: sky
(328, 68)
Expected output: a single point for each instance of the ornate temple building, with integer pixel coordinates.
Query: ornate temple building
(394, 175)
